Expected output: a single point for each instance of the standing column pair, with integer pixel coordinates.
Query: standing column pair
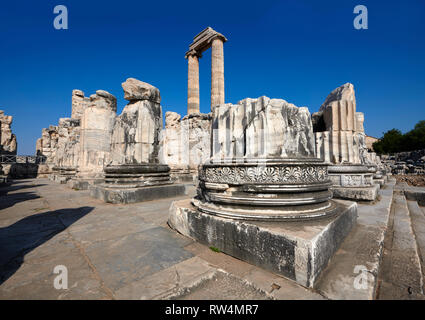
(217, 76)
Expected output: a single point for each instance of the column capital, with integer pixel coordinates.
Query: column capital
(217, 36)
(193, 53)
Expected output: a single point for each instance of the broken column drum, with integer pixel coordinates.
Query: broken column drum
(134, 172)
(96, 131)
(264, 196)
(66, 150)
(186, 144)
(252, 175)
(340, 142)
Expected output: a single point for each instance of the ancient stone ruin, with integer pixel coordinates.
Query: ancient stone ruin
(134, 172)
(97, 122)
(8, 144)
(186, 144)
(264, 196)
(340, 141)
(208, 38)
(405, 163)
(60, 144)
(186, 141)
(261, 180)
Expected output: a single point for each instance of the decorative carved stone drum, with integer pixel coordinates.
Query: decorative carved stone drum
(268, 189)
(136, 175)
(352, 175)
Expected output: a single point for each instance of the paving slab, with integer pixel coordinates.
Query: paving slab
(352, 272)
(130, 258)
(116, 251)
(418, 226)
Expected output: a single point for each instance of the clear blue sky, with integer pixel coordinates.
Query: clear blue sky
(296, 50)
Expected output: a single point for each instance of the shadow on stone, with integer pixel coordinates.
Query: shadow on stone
(9, 200)
(15, 187)
(25, 235)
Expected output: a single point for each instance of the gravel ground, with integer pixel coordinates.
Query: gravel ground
(412, 180)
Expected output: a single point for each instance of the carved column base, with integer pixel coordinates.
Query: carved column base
(353, 182)
(135, 183)
(136, 175)
(267, 189)
(63, 174)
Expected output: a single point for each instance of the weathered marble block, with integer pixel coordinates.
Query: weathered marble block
(263, 127)
(79, 104)
(134, 173)
(340, 141)
(186, 143)
(136, 133)
(97, 125)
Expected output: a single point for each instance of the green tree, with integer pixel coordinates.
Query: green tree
(391, 142)
(394, 141)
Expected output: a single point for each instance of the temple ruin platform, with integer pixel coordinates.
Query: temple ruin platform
(116, 251)
(296, 250)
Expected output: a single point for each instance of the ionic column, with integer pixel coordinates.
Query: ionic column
(217, 72)
(193, 83)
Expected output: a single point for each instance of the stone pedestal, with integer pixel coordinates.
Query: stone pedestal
(183, 176)
(354, 182)
(298, 250)
(63, 174)
(136, 183)
(264, 197)
(134, 173)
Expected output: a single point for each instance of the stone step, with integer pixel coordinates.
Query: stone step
(352, 272)
(400, 276)
(418, 224)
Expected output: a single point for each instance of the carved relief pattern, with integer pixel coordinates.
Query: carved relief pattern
(351, 180)
(354, 180)
(264, 174)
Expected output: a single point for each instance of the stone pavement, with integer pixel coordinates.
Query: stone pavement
(114, 252)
